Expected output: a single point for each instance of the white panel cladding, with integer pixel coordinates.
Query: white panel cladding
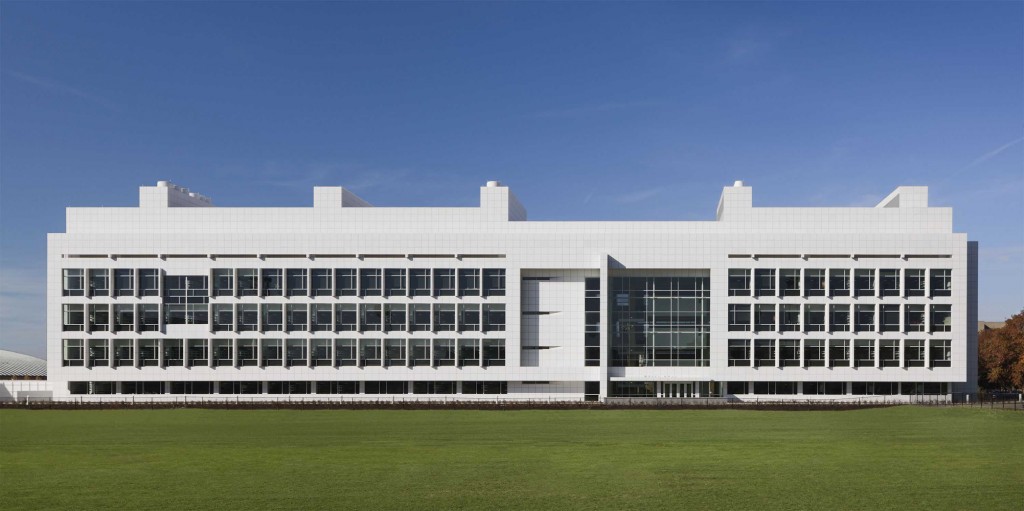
(195, 240)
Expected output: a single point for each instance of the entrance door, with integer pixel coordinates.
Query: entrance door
(686, 389)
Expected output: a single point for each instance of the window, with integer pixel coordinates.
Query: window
(939, 353)
(444, 317)
(739, 352)
(592, 322)
(419, 282)
(394, 318)
(814, 282)
(739, 318)
(124, 318)
(149, 282)
(774, 387)
(890, 282)
(394, 352)
(914, 282)
(271, 353)
(419, 317)
(789, 353)
(248, 282)
(764, 353)
(824, 387)
(369, 352)
(74, 317)
(248, 317)
(370, 317)
(337, 387)
(149, 352)
(484, 387)
(764, 317)
(386, 387)
(631, 389)
(469, 317)
(345, 352)
(99, 352)
(494, 282)
(240, 387)
(370, 282)
(839, 282)
(223, 282)
(864, 282)
(297, 282)
(814, 353)
(186, 289)
(223, 353)
(913, 353)
(419, 352)
(320, 352)
(174, 353)
(124, 282)
(942, 282)
(320, 317)
(433, 387)
(273, 318)
(298, 317)
(346, 319)
(877, 388)
(736, 387)
(272, 280)
(494, 317)
(320, 282)
(739, 282)
(247, 352)
(865, 316)
(74, 282)
(444, 282)
(394, 282)
(73, 353)
(839, 353)
(864, 353)
(198, 352)
(764, 279)
(814, 318)
(188, 314)
(840, 318)
(469, 352)
(124, 353)
(942, 318)
(99, 283)
(493, 352)
(888, 353)
(223, 317)
(444, 352)
(99, 317)
(790, 316)
(469, 282)
(149, 317)
(890, 318)
(789, 280)
(295, 352)
(914, 318)
(345, 282)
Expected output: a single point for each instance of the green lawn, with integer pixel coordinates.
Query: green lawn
(891, 458)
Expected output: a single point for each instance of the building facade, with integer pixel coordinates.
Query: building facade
(345, 300)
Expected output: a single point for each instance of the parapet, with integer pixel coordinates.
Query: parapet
(169, 195)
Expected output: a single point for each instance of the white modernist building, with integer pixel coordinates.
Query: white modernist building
(342, 299)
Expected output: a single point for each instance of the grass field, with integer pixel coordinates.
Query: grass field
(890, 458)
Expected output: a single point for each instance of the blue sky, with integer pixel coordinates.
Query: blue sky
(588, 110)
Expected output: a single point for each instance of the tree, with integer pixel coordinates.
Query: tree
(1001, 355)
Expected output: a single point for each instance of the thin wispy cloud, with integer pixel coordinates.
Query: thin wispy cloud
(992, 154)
(586, 110)
(62, 88)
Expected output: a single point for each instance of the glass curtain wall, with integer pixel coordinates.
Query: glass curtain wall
(660, 321)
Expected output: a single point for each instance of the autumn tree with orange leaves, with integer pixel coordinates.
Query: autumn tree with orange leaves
(1001, 355)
